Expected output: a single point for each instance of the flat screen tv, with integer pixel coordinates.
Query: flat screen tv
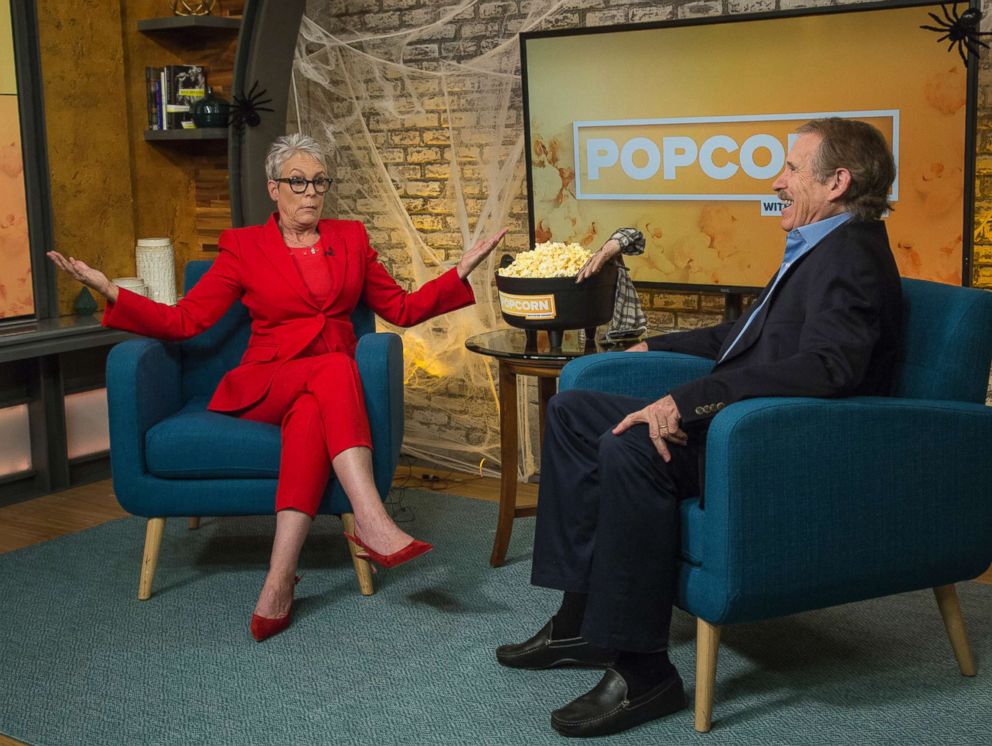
(679, 129)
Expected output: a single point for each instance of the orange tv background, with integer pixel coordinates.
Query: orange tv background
(702, 216)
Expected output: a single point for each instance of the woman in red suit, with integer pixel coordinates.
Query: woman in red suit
(300, 278)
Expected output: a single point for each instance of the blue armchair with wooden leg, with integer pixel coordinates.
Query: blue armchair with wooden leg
(171, 457)
(810, 503)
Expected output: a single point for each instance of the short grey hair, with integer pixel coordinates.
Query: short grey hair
(286, 146)
(863, 151)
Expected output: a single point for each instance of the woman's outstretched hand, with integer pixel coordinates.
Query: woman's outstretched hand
(475, 256)
(595, 263)
(91, 278)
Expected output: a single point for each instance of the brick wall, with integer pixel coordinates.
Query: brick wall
(415, 151)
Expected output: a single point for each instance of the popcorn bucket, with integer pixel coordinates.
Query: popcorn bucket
(558, 303)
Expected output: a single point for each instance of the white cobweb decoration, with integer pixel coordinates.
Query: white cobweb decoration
(381, 111)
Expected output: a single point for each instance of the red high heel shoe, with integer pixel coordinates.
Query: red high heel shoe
(263, 627)
(413, 549)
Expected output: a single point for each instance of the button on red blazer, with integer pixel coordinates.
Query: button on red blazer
(255, 266)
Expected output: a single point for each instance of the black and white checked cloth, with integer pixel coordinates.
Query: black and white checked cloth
(628, 316)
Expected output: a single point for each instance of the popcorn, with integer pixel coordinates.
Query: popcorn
(549, 259)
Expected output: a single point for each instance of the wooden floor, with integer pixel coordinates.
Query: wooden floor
(49, 517)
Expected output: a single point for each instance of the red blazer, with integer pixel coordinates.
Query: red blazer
(255, 266)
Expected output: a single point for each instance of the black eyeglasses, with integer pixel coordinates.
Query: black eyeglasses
(299, 185)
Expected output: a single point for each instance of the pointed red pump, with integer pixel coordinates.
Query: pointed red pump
(410, 551)
(263, 627)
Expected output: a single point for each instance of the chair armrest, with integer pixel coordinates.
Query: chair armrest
(380, 363)
(144, 386)
(815, 502)
(647, 375)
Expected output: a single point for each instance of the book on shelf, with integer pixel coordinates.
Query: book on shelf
(154, 97)
(172, 92)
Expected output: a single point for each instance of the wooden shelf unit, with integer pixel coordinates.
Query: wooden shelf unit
(186, 157)
(188, 23)
(201, 133)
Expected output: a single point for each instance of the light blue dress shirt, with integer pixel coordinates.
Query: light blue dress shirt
(799, 242)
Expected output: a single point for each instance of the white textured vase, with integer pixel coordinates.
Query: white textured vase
(156, 265)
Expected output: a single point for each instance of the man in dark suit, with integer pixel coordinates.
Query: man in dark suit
(613, 468)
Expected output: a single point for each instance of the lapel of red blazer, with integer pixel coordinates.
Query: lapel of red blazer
(274, 250)
(334, 239)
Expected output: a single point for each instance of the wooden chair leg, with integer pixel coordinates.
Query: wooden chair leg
(950, 610)
(194, 523)
(153, 542)
(508, 443)
(707, 647)
(363, 570)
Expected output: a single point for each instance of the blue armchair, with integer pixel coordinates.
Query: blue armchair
(810, 503)
(171, 457)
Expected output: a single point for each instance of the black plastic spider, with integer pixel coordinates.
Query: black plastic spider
(246, 108)
(961, 29)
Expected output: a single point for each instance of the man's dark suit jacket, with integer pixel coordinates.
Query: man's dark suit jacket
(832, 328)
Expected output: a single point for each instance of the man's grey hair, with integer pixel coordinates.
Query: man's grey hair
(286, 146)
(862, 150)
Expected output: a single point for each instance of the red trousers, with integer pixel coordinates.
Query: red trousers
(318, 403)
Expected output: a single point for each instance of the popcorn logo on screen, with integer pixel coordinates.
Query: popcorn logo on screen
(698, 158)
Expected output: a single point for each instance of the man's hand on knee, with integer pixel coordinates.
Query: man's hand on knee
(662, 418)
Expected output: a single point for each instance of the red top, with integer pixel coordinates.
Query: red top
(315, 268)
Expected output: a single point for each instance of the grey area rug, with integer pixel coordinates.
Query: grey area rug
(82, 661)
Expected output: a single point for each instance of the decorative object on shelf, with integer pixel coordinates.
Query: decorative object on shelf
(85, 304)
(246, 107)
(210, 111)
(193, 7)
(962, 30)
(134, 284)
(172, 92)
(187, 85)
(156, 264)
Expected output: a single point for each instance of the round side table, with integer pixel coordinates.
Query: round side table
(523, 353)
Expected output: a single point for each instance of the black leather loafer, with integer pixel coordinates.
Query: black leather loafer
(606, 709)
(541, 651)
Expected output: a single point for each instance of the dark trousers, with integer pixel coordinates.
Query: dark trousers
(608, 518)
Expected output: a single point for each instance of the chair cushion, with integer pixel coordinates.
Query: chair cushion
(693, 517)
(197, 444)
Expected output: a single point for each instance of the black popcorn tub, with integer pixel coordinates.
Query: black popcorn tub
(556, 304)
